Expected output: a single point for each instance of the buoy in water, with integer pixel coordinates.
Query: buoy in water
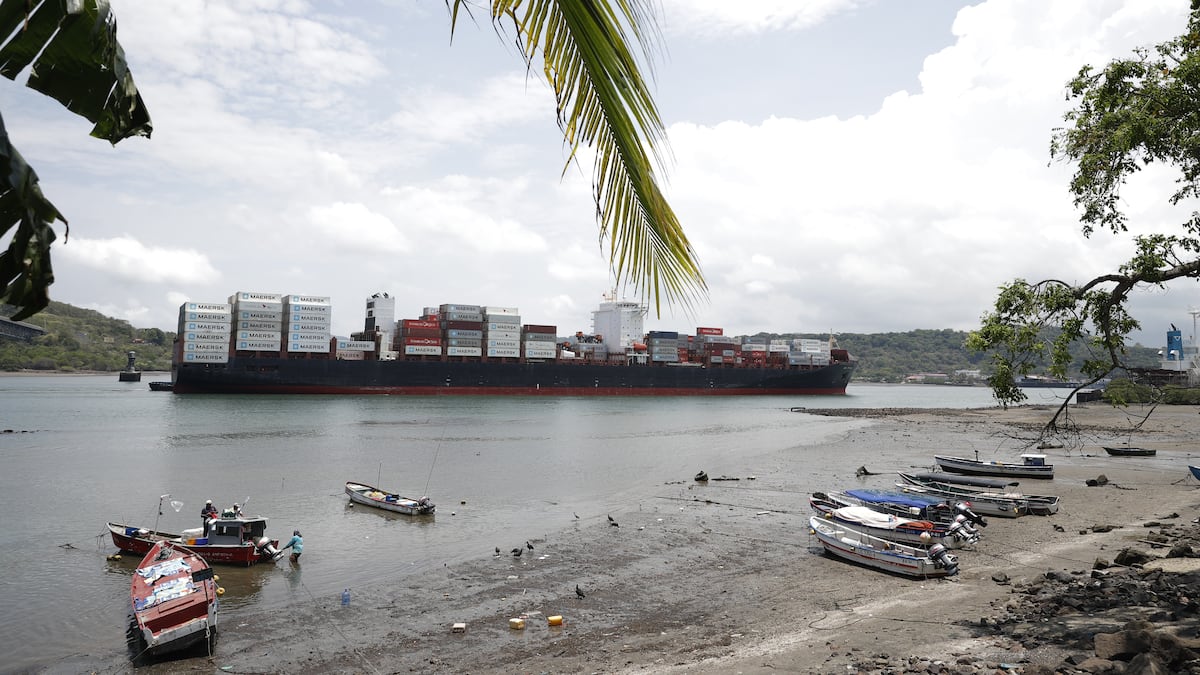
(220, 591)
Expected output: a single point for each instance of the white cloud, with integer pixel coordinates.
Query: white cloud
(354, 227)
(131, 260)
(713, 17)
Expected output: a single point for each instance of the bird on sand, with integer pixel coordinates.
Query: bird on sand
(579, 591)
(529, 546)
(613, 523)
(517, 552)
(497, 550)
(610, 519)
(575, 514)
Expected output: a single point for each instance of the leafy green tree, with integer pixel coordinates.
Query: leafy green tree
(1134, 112)
(602, 102)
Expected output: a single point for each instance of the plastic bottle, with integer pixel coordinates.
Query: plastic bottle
(346, 598)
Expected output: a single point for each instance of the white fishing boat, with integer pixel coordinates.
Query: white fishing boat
(915, 532)
(388, 501)
(881, 554)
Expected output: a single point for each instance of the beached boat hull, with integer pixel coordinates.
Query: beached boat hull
(914, 532)
(1195, 471)
(982, 504)
(1037, 505)
(174, 599)
(977, 467)
(880, 554)
(139, 541)
(1130, 452)
(360, 493)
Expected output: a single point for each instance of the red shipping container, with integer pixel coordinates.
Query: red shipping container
(462, 325)
(534, 328)
(421, 332)
(710, 331)
(421, 342)
(419, 323)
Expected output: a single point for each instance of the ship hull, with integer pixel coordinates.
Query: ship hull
(269, 375)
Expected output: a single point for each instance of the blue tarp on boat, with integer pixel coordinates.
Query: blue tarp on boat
(892, 497)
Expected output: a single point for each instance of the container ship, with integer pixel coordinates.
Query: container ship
(270, 343)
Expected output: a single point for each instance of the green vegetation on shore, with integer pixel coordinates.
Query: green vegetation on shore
(81, 340)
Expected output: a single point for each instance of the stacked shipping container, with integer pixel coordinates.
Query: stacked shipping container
(204, 330)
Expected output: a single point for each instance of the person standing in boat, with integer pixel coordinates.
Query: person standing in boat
(206, 514)
(296, 543)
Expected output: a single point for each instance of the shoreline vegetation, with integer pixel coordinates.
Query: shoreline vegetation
(724, 577)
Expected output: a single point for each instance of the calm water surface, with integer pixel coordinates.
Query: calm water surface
(86, 450)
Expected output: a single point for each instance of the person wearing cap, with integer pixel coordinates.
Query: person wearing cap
(296, 543)
(208, 513)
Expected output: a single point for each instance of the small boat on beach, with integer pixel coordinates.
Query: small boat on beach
(982, 482)
(933, 484)
(988, 505)
(174, 599)
(388, 501)
(231, 540)
(921, 533)
(906, 505)
(881, 554)
(1126, 451)
(1032, 465)
(1195, 471)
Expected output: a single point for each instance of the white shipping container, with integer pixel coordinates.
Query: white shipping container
(464, 351)
(539, 353)
(503, 352)
(209, 327)
(462, 309)
(488, 309)
(215, 317)
(191, 336)
(221, 347)
(260, 315)
(815, 350)
(258, 345)
(304, 327)
(306, 299)
(753, 347)
(324, 310)
(539, 337)
(360, 345)
(251, 295)
(258, 335)
(256, 306)
(716, 359)
(506, 319)
(502, 344)
(293, 336)
(350, 355)
(423, 350)
(778, 348)
(308, 317)
(503, 334)
(215, 307)
(468, 334)
(273, 326)
(206, 357)
(502, 325)
(309, 346)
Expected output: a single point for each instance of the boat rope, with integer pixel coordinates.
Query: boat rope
(700, 500)
(436, 450)
(328, 617)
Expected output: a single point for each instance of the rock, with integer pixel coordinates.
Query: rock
(1103, 528)
(1131, 556)
(1147, 664)
(1123, 645)
(1182, 551)
(1000, 578)
(1101, 564)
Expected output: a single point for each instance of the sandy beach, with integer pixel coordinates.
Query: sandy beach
(724, 577)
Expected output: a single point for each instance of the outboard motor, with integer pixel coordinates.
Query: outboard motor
(264, 546)
(943, 559)
(961, 530)
(964, 509)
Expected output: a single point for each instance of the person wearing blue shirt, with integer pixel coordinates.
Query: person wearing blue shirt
(296, 543)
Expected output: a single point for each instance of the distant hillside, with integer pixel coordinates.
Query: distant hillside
(79, 340)
(890, 357)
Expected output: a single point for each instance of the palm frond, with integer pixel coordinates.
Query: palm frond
(604, 103)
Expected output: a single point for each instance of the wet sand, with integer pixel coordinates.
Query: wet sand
(724, 577)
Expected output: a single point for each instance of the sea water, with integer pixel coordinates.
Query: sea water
(80, 451)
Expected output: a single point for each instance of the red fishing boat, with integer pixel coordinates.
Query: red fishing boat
(174, 599)
(233, 539)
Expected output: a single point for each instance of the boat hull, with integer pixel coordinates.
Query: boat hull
(173, 597)
(877, 553)
(1037, 505)
(980, 468)
(1130, 452)
(139, 542)
(981, 504)
(919, 533)
(360, 493)
(270, 375)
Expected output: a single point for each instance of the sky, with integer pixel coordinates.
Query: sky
(844, 166)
